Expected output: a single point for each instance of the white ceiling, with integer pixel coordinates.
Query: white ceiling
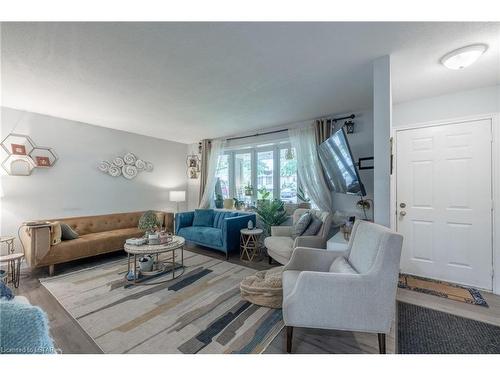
(188, 81)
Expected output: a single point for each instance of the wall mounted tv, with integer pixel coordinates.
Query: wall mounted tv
(339, 168)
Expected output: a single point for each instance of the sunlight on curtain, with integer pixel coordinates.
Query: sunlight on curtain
(217, 149)
(309, 167)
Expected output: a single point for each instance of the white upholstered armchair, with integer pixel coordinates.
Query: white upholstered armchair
(353, 290)
(280, 244)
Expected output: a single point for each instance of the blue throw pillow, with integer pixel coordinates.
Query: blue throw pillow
(203, 218)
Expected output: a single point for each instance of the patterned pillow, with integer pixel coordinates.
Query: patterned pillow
(314, 226)
(67, 233)
(301, 225)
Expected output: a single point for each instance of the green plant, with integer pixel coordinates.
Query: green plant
(271, 213)
(248, 190)
(263, 193)
(238, 203)
(219, 201)
(302, 195)
(149, 222)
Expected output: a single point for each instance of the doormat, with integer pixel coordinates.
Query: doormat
(441, 289)
(425, 331)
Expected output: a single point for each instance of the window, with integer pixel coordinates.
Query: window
(265, 185)
(242, 176)
(254, 173)
(288, 175)
(222, 173)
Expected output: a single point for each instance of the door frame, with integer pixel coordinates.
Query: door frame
(495, 180)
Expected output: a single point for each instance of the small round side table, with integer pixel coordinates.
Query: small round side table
(249, 243)
(12, 259)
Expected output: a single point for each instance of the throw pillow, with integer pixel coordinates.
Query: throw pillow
(67, 233)
(314, 226)
(301, 225)
(203, 218)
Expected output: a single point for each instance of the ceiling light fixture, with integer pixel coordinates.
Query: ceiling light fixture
(463, 57)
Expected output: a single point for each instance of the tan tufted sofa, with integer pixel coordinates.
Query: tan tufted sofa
(97, 235)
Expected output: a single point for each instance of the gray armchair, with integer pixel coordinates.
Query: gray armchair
(280, 244)
(353, 290)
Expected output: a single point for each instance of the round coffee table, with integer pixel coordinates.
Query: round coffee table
(12, 259)
(249, 243)
(134, 251)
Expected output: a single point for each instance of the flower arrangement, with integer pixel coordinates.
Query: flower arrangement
(149, 222)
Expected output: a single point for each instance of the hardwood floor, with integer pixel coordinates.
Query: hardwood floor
(72, 339)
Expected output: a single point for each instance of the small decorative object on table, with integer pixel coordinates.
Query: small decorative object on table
(149, 222)
(249, 243)
(146, 263)
(250, 225)
(165, 237)
(154, 239)
(136, 241)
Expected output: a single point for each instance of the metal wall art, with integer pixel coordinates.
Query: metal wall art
(194, 166)
(127, 166)
(24, 155)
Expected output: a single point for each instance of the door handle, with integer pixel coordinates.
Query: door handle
(402, 213)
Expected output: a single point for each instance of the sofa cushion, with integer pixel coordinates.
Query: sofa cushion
(313, 227)
(342, 265)
(203, 218)
(203, 235)
(219, 217)
(67, 233)
(301, 225)
(89, 245)
(279, 248)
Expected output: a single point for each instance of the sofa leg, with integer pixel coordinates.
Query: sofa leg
(270, 259)
(227, 256)
(289, 335)
(51, 270)
(381, 343)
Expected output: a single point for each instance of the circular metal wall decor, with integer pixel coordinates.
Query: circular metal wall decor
(127, 166)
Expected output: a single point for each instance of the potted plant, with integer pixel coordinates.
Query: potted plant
(271, 213)
(238, 204)
(248, 190)
(149, 222)
(303, 201)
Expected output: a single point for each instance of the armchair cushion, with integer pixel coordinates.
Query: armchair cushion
(364, 247)
(281, 248)
(301, 225)
(314, 226)
(341, 265)
(203, 218)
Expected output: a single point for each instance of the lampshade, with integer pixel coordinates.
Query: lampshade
(177, 196)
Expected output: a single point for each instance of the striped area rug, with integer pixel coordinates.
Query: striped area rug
(199, 312)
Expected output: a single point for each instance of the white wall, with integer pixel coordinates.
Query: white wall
(382, 123)
(74, 186)
(480, 101)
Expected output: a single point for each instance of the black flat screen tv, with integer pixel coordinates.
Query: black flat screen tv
(339, 168)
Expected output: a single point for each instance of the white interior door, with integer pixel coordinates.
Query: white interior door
(444, 202)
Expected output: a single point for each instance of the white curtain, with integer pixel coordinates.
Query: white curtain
(216, 149)
(309, 167)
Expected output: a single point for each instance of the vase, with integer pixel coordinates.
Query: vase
(146, 263)
(228, 204)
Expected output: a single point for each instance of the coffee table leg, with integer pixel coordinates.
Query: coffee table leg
(18, 273)
(182, 256)
(173, 264)
(135, 269)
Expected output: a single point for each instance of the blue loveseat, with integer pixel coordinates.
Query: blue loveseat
(219, 230)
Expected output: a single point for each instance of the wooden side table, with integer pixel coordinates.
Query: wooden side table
(12, 259)
(249, 243)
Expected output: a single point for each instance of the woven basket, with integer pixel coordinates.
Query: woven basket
(265, 288)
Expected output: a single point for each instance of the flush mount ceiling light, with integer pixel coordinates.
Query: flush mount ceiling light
(463, 57)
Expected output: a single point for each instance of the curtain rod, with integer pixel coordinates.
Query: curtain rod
(284, 130)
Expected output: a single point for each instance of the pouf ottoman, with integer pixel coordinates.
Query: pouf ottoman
(264, 288)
